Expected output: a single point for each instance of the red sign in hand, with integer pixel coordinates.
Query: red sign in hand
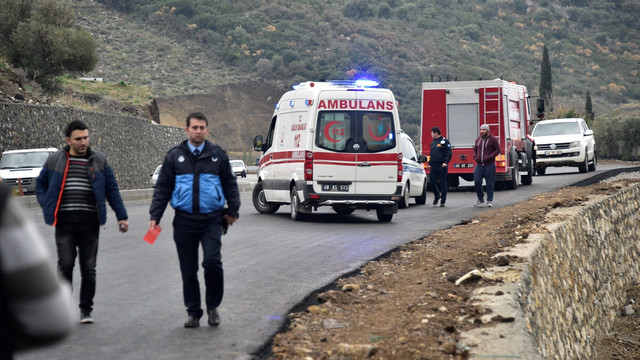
(152, 234)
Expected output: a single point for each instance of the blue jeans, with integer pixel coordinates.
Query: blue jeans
(188, 234)
(438, 182)
(79, 239)
(488, 173)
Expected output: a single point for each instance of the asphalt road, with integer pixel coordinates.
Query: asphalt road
(271, 264)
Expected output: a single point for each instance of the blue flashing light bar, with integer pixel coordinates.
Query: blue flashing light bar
(361, 83)
(366, 83)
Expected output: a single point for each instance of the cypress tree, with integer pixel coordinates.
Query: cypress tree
(588, 108)
(545, 80)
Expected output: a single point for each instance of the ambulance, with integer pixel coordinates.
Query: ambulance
(333, 143)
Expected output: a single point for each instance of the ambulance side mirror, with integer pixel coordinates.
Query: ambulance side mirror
(422, 159)
(257, 143)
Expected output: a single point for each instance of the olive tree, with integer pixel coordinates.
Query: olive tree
(48, 42)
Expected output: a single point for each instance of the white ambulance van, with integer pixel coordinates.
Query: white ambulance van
(334, 143)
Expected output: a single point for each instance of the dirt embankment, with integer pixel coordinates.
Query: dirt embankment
(236, 112)
(407, 305)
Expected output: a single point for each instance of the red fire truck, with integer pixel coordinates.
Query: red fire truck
(459, 108)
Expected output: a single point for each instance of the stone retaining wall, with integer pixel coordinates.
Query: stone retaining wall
(134, 146)
(570, 289)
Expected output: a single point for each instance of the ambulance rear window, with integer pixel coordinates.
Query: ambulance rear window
(355, 131)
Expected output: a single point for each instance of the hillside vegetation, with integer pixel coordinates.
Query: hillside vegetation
(190, 46)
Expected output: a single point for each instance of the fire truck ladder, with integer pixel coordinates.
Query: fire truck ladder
(491, 107)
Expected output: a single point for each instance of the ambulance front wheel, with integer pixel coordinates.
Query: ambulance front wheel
(260, 202)
(382, 217)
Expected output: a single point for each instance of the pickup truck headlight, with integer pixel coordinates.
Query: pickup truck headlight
(574, 144)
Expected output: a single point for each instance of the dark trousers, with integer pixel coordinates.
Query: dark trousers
(438, 182)
(188, 235)
(488, 173)
(79, 239)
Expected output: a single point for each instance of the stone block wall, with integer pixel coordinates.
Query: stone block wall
(576, 279)
(134, 146)
(569, 287)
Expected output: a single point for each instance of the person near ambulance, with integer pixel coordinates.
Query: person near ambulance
(439, 158)
(485, 150)
(197, 178)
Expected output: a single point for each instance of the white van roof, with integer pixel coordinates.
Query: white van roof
(49, 149)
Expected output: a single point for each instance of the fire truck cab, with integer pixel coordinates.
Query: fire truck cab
(335, 144)
(459, 108)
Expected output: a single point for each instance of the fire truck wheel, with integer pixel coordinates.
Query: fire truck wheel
(528, 179)
(382, 217)
(541, 170)
(515, 174)
(296, 215)
(260, 203)
(404, 200)
(422, 199)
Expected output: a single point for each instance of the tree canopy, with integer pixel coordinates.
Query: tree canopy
(43, 39)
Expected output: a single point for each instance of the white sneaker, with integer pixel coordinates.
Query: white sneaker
(86, 318)
(479, 202)
(490, 204)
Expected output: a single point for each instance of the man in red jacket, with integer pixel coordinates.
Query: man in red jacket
(485, 151)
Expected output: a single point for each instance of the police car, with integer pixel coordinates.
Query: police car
(414, 178)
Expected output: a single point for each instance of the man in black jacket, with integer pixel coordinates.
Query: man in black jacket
(197, 178)
(439, 158)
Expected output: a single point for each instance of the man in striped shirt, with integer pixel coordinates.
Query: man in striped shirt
(72, 189)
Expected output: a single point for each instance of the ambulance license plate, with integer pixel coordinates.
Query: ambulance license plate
(335, 187)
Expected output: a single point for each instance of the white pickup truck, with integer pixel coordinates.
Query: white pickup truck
(20, 168)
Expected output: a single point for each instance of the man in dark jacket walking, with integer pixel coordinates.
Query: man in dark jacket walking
(72, 189)
(197, 177)
(439, 158)
(485, 151)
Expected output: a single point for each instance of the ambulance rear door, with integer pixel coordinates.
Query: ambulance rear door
(355, 147)
(377, 161)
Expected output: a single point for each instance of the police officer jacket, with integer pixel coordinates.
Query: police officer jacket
(440, 151)
(197, 187)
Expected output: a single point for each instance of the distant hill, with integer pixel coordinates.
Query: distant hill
(192, 47)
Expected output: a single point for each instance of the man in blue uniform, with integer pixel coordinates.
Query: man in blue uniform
(439, 158)
(197, 177)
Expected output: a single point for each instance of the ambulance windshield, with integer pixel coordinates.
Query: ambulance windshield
(355, 131)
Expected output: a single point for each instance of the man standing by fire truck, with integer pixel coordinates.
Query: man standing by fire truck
(485, 151)
(439, 158)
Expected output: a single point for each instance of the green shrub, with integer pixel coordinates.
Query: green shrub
(618, 136)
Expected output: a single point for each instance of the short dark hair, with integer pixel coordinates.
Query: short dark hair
(73, 126)
(436, 130)
(197, 116)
